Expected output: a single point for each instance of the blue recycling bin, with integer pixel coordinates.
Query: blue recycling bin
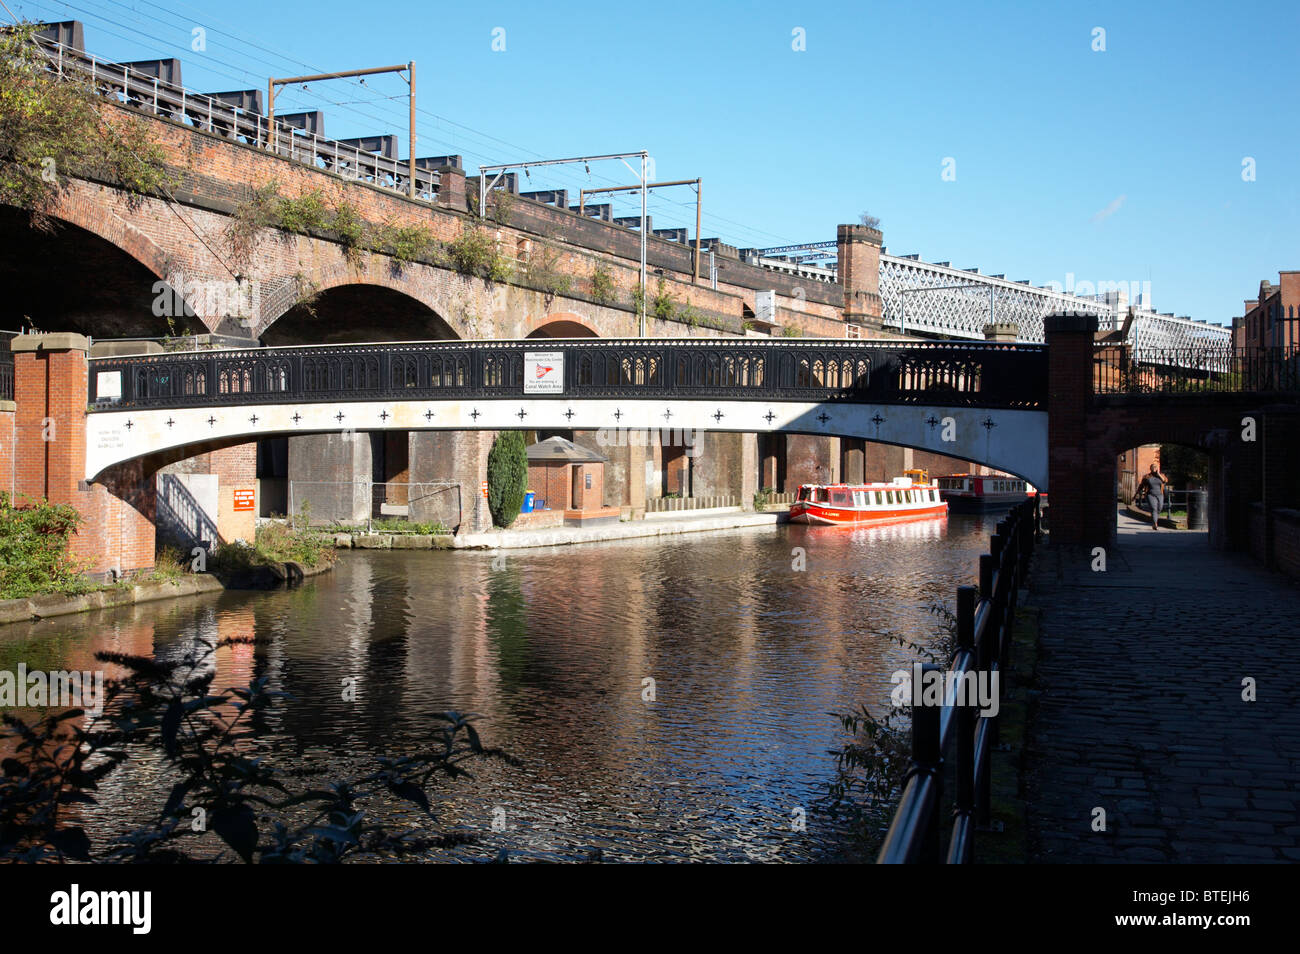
(528, 502)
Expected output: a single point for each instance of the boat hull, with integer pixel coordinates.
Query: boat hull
(822, 515)
(981, 503)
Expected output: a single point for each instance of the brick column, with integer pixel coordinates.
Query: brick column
(808, 460)
(859, 272)
(50, 394)
(7, 447)
(451, 188)
(1079, 487)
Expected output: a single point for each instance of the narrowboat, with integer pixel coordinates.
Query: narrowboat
(855, 505)
(973, 493)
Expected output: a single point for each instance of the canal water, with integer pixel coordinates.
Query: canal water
(749, 657)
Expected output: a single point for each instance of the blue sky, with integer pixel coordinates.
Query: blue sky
(1122, 165)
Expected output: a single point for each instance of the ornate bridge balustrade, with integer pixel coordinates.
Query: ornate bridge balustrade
(958, 374)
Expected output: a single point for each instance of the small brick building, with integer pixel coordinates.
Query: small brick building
(570, 479)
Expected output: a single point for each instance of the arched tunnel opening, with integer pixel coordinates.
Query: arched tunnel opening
(1189, 480)
(368, 476)
(69, 279)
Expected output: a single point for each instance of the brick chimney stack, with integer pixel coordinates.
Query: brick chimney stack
(859, 272)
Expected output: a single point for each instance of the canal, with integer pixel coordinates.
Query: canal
(749, 657)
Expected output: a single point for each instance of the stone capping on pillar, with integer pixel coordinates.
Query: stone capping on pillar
(1070, 322)
(860, 233)
(1002, 331)
(55, 341)
(8, 407)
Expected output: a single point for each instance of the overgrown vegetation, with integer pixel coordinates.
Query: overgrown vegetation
(34, 556)
(507, 477)
(474, 252)
(791, 331)
(52, 129)
(602, 285)
(762, 497)
(350, 228)
(273, 542)
(250, 218)
(664, 305)
(228, 799)
(302, 213)
(543, 274)
(392, 525)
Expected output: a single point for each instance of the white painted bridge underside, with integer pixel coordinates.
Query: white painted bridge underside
(1010, 440)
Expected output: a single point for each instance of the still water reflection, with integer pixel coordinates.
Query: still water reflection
(552, 647)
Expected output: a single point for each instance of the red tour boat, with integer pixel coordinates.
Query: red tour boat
(860, 504)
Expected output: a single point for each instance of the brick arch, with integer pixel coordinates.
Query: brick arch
(570, 325)
(1210, 429)
(76, 208)
(343, 275)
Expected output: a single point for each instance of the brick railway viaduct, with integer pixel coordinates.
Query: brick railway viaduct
(114, 254)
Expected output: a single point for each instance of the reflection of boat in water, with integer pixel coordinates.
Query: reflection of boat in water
(972, 493)
(854, 505)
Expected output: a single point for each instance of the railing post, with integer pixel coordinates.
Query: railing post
(927, 759)
(965, 771)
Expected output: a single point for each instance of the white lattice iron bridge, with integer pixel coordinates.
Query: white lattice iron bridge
(926, 298)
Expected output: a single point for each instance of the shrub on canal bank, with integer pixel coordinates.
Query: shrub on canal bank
(273, 543)
(507, 473)
(34, 556)
(252, 808)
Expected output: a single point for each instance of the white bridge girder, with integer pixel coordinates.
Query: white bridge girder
(1010, 440)
(933, 299)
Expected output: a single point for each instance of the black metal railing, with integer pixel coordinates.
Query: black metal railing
(1122, 369)
(6, 366)
(237, 117)
(951, 374)
(955, 730)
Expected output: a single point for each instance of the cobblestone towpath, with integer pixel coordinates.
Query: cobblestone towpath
(1141, 709)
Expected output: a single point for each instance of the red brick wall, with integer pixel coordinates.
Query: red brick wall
(235, 469)
(6, 450)
(550, 482)
(217, 174)
(50, 392)
(1286, 542)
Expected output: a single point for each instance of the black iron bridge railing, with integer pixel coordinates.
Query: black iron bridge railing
(994, 375)
(6, 366)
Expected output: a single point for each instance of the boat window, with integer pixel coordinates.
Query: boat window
(879, 501)
(822, 495)
(840, 497)
(803, 493)
(889, 495)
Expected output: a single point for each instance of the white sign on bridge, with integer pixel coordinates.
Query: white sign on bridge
(543, 372)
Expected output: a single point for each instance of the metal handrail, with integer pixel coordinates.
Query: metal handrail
(818, 370)
(1212, 368)
(984, 620)
(137, 90)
